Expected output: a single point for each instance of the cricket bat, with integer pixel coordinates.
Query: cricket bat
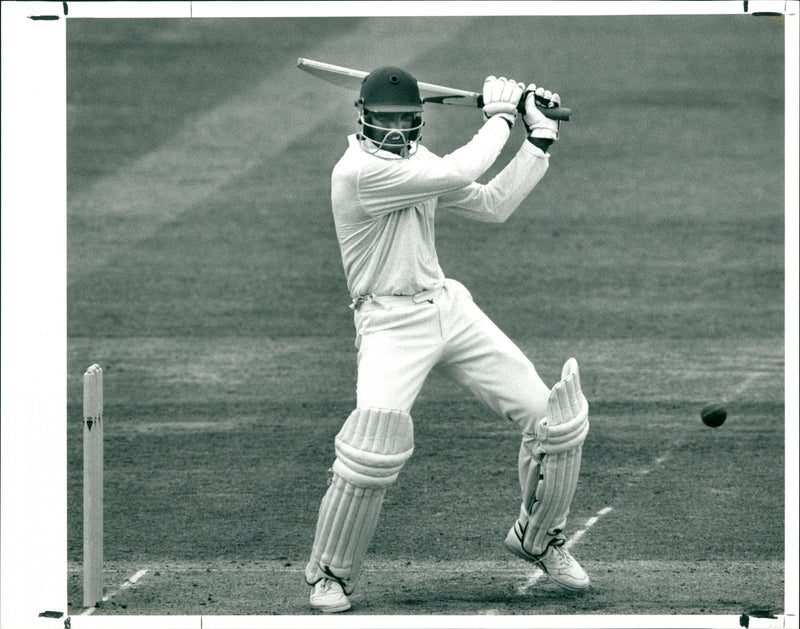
(430, 93)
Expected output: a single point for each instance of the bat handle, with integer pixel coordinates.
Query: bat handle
(554, 113)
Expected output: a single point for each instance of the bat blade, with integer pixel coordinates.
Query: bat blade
(350, 78)
(430, 93)
(336, 75)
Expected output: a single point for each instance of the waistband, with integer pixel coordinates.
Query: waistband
(397, 300)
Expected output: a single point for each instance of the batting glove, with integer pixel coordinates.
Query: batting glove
(501, 97)
(536, 123)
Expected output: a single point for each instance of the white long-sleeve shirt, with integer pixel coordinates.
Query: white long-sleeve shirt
(384, 209)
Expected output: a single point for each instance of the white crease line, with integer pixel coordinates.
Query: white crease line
(537, 574)
(129, 583)
(746, 383)
(646, 470)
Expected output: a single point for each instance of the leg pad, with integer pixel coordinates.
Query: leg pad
(371, 448)
(373, 445)
(552, 460)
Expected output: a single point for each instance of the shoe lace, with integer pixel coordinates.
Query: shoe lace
(331, 578)
(562, 558)
(325, 585)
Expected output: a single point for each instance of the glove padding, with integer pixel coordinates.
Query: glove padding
(536, 123)
(501, 97)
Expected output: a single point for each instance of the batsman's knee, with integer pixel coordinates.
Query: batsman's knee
(373, 446)
(566, 423)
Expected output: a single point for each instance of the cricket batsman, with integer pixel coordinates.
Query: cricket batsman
(385, 191)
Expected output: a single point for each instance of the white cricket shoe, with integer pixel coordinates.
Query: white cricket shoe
(556, 562)
(328, 597)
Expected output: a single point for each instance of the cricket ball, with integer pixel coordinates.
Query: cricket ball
(713, 415)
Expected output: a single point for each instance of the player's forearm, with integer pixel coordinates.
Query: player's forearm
(503, 194)
(498, 199)
(474, 158)
(391, 186)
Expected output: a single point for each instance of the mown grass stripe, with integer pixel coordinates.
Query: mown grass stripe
(220, 145)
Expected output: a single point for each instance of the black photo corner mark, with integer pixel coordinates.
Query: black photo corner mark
(761, 13)
(51, 17)
(744, 619)
(50, 614)
(762, 613)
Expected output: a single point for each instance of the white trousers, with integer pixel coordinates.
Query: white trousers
(401, 339)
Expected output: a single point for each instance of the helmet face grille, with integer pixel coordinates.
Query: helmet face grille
(391, 135)
(390, 89)
(380, 134)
